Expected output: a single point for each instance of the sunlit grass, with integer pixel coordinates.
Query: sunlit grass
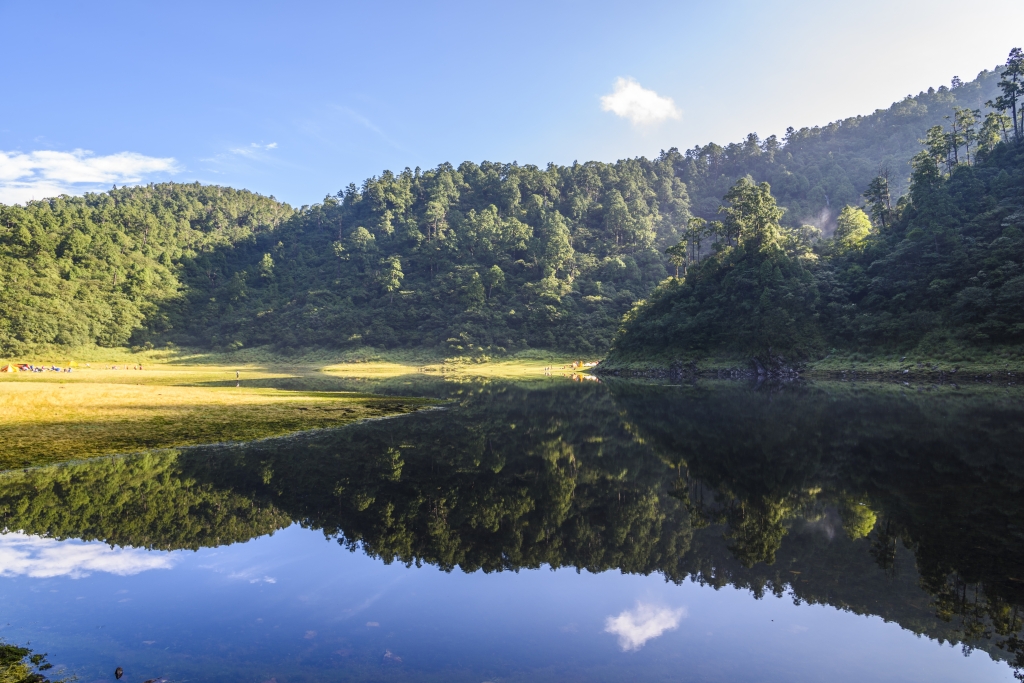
(54, 417)
(181, 398)
(503, 369)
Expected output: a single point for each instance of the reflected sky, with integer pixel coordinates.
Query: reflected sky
(294, 607)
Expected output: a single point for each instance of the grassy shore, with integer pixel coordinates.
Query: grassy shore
(182, 397)
(55, 417)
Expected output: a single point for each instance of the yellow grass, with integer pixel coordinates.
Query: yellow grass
(511, 369)
(53, 417)
(182, 398)
(372, 369)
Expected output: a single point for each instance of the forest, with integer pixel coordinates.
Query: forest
(842, 236)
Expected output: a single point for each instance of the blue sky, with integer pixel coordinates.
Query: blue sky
(299, 99)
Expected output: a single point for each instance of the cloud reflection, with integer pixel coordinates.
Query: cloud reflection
(43, 558)
(636, 627)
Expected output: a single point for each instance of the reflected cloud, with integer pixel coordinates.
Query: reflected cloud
(252, 575)
(635, 627)
(43, 558)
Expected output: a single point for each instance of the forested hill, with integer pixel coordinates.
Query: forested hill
(937, 273)
(102, 269)
(474, 259)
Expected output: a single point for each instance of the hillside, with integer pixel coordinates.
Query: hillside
(815, 172)
(101, 269)
(469, 260)
(936, 275)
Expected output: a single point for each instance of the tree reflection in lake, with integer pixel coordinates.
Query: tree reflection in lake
(874, 500)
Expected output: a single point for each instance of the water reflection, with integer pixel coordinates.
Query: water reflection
(636, 626)
(44, 558)
(876, 501)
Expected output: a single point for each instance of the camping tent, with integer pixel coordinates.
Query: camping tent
(8, 368)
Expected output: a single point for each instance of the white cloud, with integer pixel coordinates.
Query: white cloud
(632, 101)
(42, 558)
(252, 577)
(636, 627)
(48, 173)
(253, 149)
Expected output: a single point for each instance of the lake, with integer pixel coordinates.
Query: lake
(545, 531)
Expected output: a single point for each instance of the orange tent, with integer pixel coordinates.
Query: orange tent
(8, 368)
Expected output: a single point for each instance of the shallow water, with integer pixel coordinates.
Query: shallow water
(545, 531)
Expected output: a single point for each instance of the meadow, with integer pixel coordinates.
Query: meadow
(106, 405)
(54, 417)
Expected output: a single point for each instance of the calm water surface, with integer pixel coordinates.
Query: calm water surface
(545, 531)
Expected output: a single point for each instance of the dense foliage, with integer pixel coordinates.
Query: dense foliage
(495, 256)
(756, 291)
(99, 269)
(464, 259)
(936, 271)
(941, 276)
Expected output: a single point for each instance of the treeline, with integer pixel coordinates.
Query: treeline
(475, 259)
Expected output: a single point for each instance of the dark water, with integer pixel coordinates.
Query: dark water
(550, 531)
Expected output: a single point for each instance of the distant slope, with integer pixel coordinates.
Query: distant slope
(815, 172)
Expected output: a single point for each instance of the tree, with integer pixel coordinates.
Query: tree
(696, 230)
(879, 197)
(993, 131)
(266, 267)
(618, 221)
(938, 147)
(494, 277)
(677, 255)
(473, 293)
(756, 298)
(391, 276)
(752, 214)
(852, 229)
(1012, 86)
(962, 132)
(557, 245)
